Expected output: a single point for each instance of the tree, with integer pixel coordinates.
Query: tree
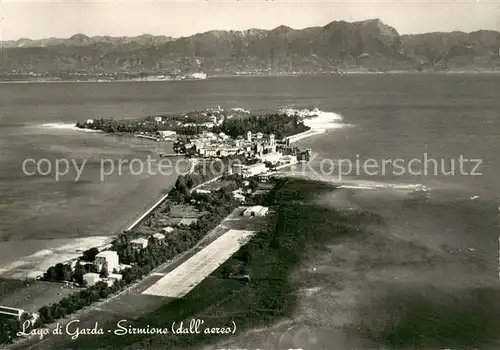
(181, 186)
(254, 185)
(63, 272)
(8, 330)
(78, 274)
(244, 255)
(225, 271)
(51, 274)
(104, 271)
(90, 254)
(46, 314)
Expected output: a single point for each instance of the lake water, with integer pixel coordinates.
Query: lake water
(403, 117)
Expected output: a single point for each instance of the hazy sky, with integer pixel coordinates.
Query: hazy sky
(39, 19)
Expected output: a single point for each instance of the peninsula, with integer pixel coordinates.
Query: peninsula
(241, 177)
(263, 138)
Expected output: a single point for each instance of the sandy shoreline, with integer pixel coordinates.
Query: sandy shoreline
(36, 264)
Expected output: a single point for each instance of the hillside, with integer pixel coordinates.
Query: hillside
(369, 45)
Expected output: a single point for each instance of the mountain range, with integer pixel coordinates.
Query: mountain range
(337, 46)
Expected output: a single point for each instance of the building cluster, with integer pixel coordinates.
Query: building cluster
(258, 146)
(239, 194)
(108, 259)
(208, 118)
(263, 150)
(249, 170)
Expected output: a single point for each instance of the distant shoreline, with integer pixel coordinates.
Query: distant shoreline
(215, 76)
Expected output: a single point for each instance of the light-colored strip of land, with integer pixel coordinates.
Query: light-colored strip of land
(184, 278)
(153, 207)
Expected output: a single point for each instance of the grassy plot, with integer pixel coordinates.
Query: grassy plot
(31, 295)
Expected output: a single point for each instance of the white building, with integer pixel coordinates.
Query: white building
(187, 221)
(240, 110)
(139, 243)
(273, 157)
(167, 133)
(248, 170)
(201, 76)
(224, 152)
(288, 159)
(91, 278)
(159, 237)
(108, 257)
(124, 267)
(237, 169)
(272, 143)
(208, 152)
(72, 263)
(254, 169)
(239, 197)
(109, 282)
(168, 229)
(112, 278)
(272, 140)
(158, 119)
(11, 312)
(256, 211)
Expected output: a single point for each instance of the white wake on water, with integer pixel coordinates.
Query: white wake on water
(64, 126)
(356, 184)
(320, 121)
(316, 119)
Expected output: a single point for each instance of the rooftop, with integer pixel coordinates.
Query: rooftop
(92, 274)
(139, 240)
(256, 165)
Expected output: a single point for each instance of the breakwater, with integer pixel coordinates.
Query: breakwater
(305, 134)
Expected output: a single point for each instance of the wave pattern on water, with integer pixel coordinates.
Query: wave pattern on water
(315, 117)
(356, 184)
(64, 126)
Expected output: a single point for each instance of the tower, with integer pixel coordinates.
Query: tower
(272, 143)
(249, 136)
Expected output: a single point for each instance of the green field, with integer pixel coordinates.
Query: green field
(31, 295)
